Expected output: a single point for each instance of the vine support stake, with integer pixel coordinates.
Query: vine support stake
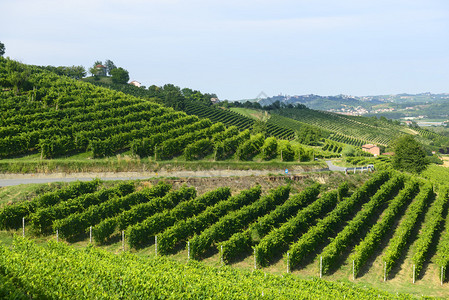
(353, 270)
(221, 255)
(23, 227)
(288, 262)
(321, 266)
(188, 250)
(385, 271)
(413, 273)
(155, 245)
(57, 235)
(442, 275)
(123, 240)
(90, 234)
(255, 260)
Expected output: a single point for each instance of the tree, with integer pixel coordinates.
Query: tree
(348, 151)
(18, 75)
(2, 49)
(109, 66)
(119, 75)
(409, 155)
(97, 69)
(76, 72)
(154, 91)
(308, 135)
(259, 126)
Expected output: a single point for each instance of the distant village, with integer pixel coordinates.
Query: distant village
(360, 111)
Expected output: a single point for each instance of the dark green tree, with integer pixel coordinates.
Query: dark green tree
(2, 49)
(409, 155)
(308, 135)
(18, 75)
(171, 95)
(98, 69)
(348, 151)
(109, 66)
(119, 75)
(154, 91)
(76, 72)
(259, 126)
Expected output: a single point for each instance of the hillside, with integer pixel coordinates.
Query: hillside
(52, 116)
(370, 130)
(424, 106)
(54, 123)
(221, 226)
(196, 103)
(346, 226)
(285, 122)
(351, 130)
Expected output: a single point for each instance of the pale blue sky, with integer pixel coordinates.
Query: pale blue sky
(238, 48)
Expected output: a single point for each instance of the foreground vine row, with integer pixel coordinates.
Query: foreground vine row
(58, 271)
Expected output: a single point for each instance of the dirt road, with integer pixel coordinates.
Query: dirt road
(15, 179)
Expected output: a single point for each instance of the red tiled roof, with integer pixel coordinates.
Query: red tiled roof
(368, 146)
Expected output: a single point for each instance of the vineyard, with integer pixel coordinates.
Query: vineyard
(326, 229)
(284, 123)
(51, 116)
(174, 238)
(351, 130)
(55, 116)
(229, 117)
(69, 273)
(197, 108)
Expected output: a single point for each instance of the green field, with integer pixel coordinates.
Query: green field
(251, 113)
(209, 232)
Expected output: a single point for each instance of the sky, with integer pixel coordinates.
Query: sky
(237, 49)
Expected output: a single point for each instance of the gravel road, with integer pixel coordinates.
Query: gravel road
(16, 179)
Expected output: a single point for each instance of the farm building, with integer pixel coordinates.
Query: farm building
(135, 83)
(373, 149)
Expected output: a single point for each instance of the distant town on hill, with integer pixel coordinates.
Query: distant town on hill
(425, 109)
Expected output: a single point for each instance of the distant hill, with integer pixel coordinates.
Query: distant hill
(285, 122)
(423, 105)
(318, 102)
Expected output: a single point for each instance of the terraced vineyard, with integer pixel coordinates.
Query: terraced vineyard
(231, 118)
(60, 117)
(392, 217)
(196, 108)
(340, 138)
(343, 126)
(312, 223)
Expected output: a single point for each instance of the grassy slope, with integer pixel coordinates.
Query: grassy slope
(250, 113)
(15, 193)
(125, 163)
(102, 79)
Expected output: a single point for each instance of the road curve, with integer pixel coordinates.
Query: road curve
(333, 167)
